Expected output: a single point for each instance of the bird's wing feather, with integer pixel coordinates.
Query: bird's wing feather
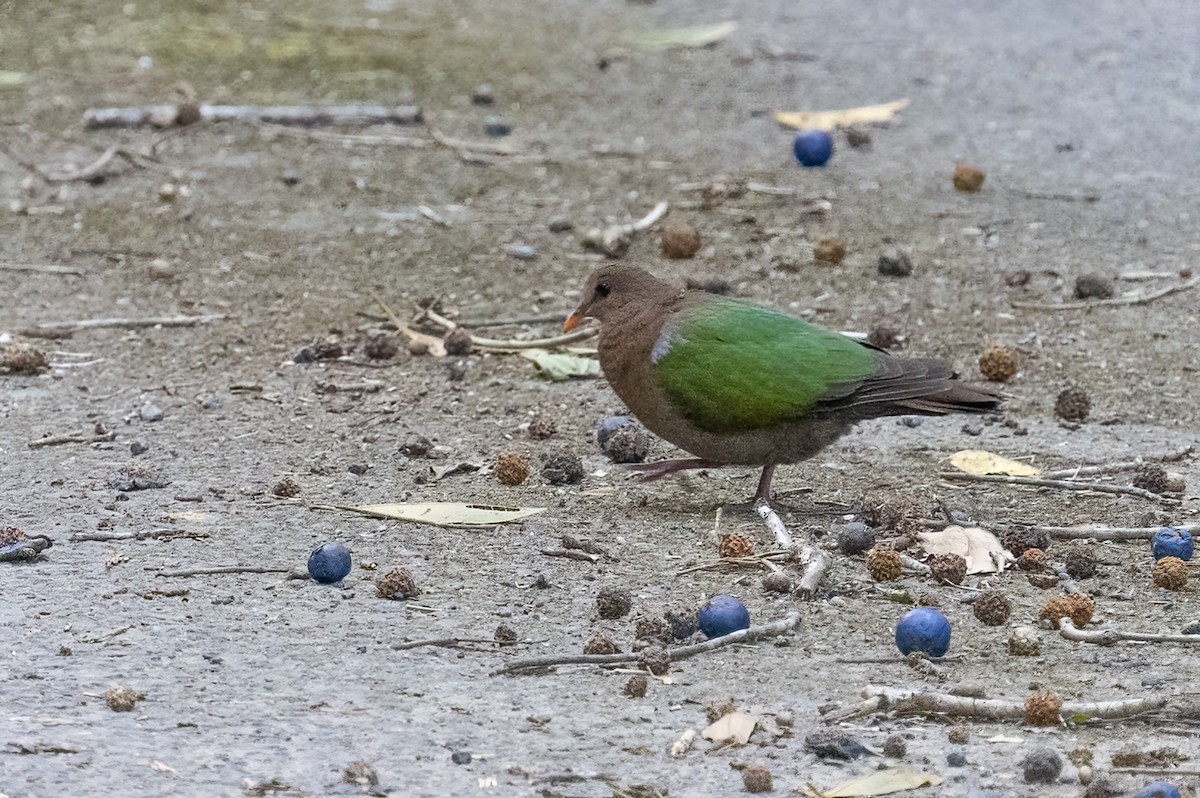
(729, 365)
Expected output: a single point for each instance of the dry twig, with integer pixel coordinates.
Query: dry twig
(1134, 299)
(126, 324)
(909, 702)
(234, 569)
(506, 344)
(71, 437)
(1108, 637)
(41, 268)
(1098, 487)
(188, 113)
(152, 534)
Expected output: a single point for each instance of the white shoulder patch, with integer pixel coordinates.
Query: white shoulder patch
(666, 339)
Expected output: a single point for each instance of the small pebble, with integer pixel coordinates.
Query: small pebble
(895, 263)
(137, 447)
(496, 126)
(358, 469)
(956, 759)
(211, 402)
(483, 95)
(830, 250)
(680, 241)
(563, 468)
(1041, 766)
(458, 342)
(560, 224)
(1093, 286)
(855, 538)
(895, 746)
(1072, 405)
(461, 757)
(151, 412)
(415, 445)
(968, 178)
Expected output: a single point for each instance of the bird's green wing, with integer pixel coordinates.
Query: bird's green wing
(729, 365)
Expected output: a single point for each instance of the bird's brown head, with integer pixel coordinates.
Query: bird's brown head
(615, 289)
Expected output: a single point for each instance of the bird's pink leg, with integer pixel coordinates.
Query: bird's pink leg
(764, 485)
(662, 468)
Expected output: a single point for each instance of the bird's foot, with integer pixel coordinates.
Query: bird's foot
(662, 468)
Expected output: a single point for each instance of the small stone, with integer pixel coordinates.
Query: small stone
(830, 250)
(734, 544)
(959, 735)
(1093, 286)
(562, 468)
(682, 622)
(496, 126)
(1018, 540)
(884, 337)
(600, 645)
(855, 538)
(636, 686)
(121, 699)
(542, 427)
(361, 773)
(461, 757)
(415, 445)
(560, 224)
(613, 602)
(857, 138)
(358, 469)
(992, 608)
(415, 347)
(1170, 573)
(956, 759)
(777, 582)
(381, 347)
(305, 355)
(680, 240)
(1018, 279)
(1042, 709)
(756, 778)
(895, 263)
(397, 584)
(286, 488)
(458, 342)
(483, 95)
(949, 568)
(883, 565)
(1079, 561)
(998, 364)
(1072, 405)
(512, 468)
(895, 746)
(137, 447)
(833, 744)
(1175, 483)
(211, 402)
(655, 659)
(1151, 477)
(1041, 766)
(504, 634)
(968, 177)
(651, 627)
(629, 444)
(151, 412)
(1023, 642)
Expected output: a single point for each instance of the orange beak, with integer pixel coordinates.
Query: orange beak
(572, 322)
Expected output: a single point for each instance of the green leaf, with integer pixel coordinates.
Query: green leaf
(448, 513)
(698, 36)
(562, 365)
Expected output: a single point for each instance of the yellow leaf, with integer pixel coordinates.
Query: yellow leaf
(736, 726)
(699, 36)
(448, 513)
(828, 120)
(979, 462)
(562, 365)
(883, 782)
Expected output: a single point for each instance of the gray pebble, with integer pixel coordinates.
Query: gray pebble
(137, 447)
(956, 759)
(211, 402)
(895, 263)
(151, 412)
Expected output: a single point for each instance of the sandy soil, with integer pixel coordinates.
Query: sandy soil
(258, 684)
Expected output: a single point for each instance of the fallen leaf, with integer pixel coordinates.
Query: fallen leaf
(881, 782)
(448, 513)
(982, 550)
(736, 726)
(698, 36)
(10, 79)
(828, 120)
(559, 366)
(979, 462)
(441, 472)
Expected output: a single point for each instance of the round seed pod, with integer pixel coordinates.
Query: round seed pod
(1171, 573)
(998, 364)
(992, 608)
(883, 565)
(1042, 709)
(1072, 405)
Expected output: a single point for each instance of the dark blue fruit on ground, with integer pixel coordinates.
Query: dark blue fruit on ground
(722, 615)
(813, 147)
(329, 563)
(1158, 789)
(923, 629)
(1169, 542)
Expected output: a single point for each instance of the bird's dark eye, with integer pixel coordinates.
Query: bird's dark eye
(603, 289)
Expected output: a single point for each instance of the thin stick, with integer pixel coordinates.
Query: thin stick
(462, 146)
(572, 554)
(1098, 487)
(743, 636)
(71, 437)
(39, 268)
(1151, 771)
(1098, 532)
(813, 574)
(1108, 468)
(167, 115)
(908, 702)
(1108, 637)
(453, 642)
(1136, 299)
(153, 534)
(502, 344)
(546, 318)
(434, 346)
(229, 569)
(753, 561)
(783, 538)
(128, 324)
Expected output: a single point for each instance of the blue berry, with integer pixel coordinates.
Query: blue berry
(813, 147)
(329, 563)
(1169, 542)
(1158, 789)
(722, 615)
(609, 425)
(923, 629)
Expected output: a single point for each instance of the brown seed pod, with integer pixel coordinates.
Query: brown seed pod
(1018, 539)
(968, 177)
(998, 364)
(397, 583)
(636, 686)
(613, 602)
(895, 746)
(1079, 562)
(1077, 606)
(458, 342)
(651, 627)
(1072, 405)
(599, 644)
(959, 735)
(883, 565)
(950, 568)
(777, 582)
(121, 699)
(655, 659)
(680, 240)
(1171, 573)
(992, 608)
(542, 427)
(504, 634)
(511, 468)
(1042, 709)
(830, 250)
(1152, 477)
(733, 544)
(1032, 560)
(22, 358)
